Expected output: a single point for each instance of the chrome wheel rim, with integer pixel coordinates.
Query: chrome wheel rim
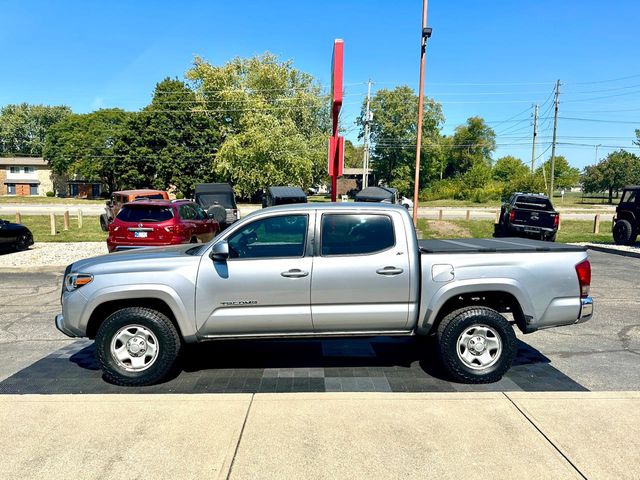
(134, 348)
(479, 347)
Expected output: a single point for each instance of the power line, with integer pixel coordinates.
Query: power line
(605, 81)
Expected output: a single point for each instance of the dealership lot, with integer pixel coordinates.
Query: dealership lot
(599, 355)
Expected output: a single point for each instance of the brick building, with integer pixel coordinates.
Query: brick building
(25, 176)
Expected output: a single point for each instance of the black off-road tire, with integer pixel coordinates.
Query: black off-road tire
(454, 324)
(169, 344)
(104, 223)
(624, 233)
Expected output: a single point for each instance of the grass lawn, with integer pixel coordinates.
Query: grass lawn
(570, 231)
(571, 199)
(40, 226)
(47, 200)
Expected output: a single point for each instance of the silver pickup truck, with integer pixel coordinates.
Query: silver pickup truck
(318, 270)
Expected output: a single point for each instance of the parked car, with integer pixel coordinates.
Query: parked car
(14, 236)
(154, 223)
(528, 215)
(118, 199)
(219, 201)
(283, 196)
(626, 222)
(324, 270)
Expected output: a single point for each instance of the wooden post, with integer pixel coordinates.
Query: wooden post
(440, 214)
(79, 218)
(53, 223)
(559, 221)
(596, 224)
(18, 217)
(65, 218)
(468, 216)
(497, 216)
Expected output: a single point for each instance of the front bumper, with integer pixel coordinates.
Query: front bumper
(60, 326)
(586, 309)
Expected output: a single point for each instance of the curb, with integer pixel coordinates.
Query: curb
(613, 251)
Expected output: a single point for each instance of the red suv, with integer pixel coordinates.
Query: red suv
(155, 223)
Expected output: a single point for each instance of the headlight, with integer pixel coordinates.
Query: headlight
(76, 280)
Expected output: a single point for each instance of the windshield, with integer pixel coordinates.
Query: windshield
(145, 213)
(208, 199)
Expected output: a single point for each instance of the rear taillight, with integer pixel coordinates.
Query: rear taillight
(556, 220)
(235, 212)
(583, 270)
(512, 215)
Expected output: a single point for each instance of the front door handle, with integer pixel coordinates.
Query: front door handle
(294, 273)
(389, 271)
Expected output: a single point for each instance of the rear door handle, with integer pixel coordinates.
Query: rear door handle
(389, 271)
(294, 273)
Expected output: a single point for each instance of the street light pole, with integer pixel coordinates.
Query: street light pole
(426, 33)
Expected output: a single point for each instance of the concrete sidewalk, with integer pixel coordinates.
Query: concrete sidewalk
(251, 436)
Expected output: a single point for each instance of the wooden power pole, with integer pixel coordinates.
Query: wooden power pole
(535, 133)
(426, 33)
(553, 144)
(367, 121)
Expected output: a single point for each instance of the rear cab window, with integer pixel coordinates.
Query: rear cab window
(145, 213)
(356, 234)
(533, 203)
(629, 196)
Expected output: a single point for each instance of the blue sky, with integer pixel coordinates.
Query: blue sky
(489, 58)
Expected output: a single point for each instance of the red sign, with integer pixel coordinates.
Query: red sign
(335, 156)
(332, 152)
(337, 72)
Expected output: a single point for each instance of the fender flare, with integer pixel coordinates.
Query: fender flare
(429, 313)
(160, 292)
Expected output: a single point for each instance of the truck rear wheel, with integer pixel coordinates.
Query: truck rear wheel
(476, 345)
(137, 346)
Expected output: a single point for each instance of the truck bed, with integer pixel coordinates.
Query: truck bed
(494, 245)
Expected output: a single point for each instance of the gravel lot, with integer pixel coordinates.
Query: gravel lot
(609, 246)
(52, 254)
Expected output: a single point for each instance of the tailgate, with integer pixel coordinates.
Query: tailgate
(534, 218)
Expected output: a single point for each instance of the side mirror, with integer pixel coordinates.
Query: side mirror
(220, 252)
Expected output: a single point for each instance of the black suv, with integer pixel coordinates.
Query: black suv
(626, 223)
(528, 215)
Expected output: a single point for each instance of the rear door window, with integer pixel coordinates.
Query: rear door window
(145, 213)
(356, 234)
(629, 196)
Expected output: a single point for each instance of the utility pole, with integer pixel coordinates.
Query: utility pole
(553, 144)
(597, 146)
(426, 33)
(365, 158)
(535, 133)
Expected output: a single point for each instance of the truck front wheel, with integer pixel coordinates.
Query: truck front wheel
(476, 345)
(137, 346)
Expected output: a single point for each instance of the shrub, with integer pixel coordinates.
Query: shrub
(179, 195)
(50, 194)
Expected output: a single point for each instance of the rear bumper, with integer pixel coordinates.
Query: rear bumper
(586, 309)
(530, 229)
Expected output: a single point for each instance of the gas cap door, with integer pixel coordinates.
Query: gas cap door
(442, 273)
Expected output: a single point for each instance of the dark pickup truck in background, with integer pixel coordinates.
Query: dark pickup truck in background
(528, 215)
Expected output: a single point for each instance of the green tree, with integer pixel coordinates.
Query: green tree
(393, 136)
(472, 143)
(353, 155)
(169, 143)
(23, 127)
(262, 102)
(508, 168)
(620, 168)
(564, 175)
(84, 145)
